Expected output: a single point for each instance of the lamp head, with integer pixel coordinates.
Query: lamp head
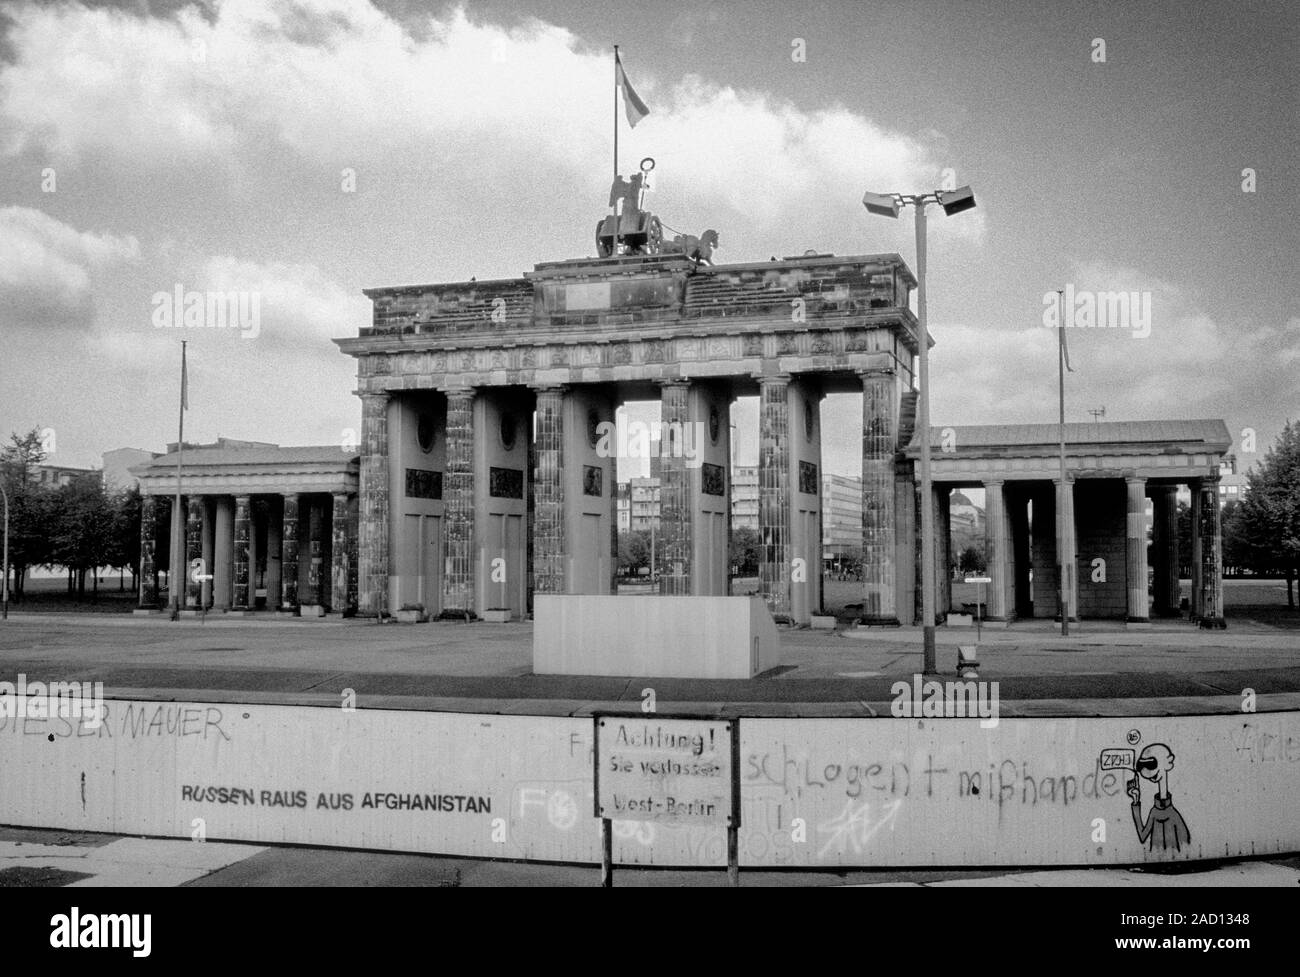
(955, 201)
(881, 204)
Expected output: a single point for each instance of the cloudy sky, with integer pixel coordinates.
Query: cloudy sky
(146, 145)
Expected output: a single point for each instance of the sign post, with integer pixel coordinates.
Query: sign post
(669, 769)
(979, 590)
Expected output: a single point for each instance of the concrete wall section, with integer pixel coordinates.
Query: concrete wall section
(814, 792)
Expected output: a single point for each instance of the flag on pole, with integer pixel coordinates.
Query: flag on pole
(632, 104)
(185, 382)
(1060, 327)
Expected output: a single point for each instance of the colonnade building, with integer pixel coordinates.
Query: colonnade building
(272, 528)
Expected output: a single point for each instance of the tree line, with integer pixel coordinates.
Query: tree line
(80, 526)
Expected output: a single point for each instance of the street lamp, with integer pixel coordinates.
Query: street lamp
(889, 205)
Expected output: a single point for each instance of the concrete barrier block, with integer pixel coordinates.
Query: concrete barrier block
(673, 637)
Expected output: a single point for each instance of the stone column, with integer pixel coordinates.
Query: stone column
(1194, 606)
(339, 556)
(176, 555)
(289, 553)
(354, 508)
(243, 527)
(148, 561)
(804, 458)
(676, 540)
(458, 513)
(774, 494)
(996, 549)
(315, 554)
(548, 493)
(274, 556)
(1209, 567)
(207, 552)
(372, 531)
(193, 547)
(1067, 545)
(879, 443)
(223, 560)
(1136, 537)
(1164, 597)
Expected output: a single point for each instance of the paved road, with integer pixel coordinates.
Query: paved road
(488, 667)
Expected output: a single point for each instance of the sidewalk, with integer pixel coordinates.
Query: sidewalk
(45, 857)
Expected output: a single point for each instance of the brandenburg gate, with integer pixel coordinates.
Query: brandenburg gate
(484, 477)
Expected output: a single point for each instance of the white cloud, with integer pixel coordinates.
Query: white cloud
(300, 306)
(48, 269)
(341, 84)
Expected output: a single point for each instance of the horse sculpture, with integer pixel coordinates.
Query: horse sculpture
(699, 249)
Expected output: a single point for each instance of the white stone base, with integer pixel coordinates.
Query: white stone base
(822, 622)
(498, 615)
(411, 617)
(668, 637)
(311, 610)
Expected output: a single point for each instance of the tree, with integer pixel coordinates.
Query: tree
(972, 560)
(745, 551)
(633, 550)
(1238, 554)
(29, 505)
(82, 530)
(1270, 509)
(20, 458)
(124, 550)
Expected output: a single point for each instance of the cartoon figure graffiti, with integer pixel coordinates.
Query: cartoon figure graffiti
(1164, 828)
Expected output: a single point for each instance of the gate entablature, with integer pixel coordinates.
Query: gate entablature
(638, 318)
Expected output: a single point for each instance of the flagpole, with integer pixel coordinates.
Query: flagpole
(178, 537)
(1065, 487)
(615, 111)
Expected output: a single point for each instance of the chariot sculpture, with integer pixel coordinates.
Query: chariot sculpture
(632, 230)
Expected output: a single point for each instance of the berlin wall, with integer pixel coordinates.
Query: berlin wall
(814, 792)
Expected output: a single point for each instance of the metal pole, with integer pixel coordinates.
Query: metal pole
(606, 854)
(176, 579)
(4, 600)
(616, 125)
(927, 509)
(1065, 487)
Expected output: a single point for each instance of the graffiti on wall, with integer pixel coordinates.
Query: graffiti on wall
(814, 792)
